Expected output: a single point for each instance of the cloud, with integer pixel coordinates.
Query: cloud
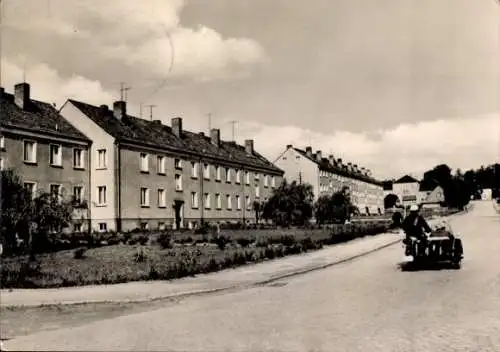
(48, 85)
(146, 36)
(460, 142)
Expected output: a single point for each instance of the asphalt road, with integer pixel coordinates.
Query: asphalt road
(365, 305)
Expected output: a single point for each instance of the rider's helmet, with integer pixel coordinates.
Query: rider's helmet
(414, 208)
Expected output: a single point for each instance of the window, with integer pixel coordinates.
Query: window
(161, 225)
(78, 161)
(238, 176)
(101, 195)
(194, 200)
(29, 152)
(144, 197)
(249, 203)
(229, 202)
(194, 169)
(178, 182)
(78, 194)
(247, 177)
(238, 202)
(228, 175)
(2, 166)
(31, 188)
(103, 227)
(144, 225)
(101, 159)
(266, 181)
(206, 171)
(2, 142)
(161, 165)
(257, 191)
(273, 181)
(207, 201)
(55, 190)
(218, 173)
(218, 201)
(144, 158)
(162, 198)
(178, 163)
(257, 176)
(77, 227)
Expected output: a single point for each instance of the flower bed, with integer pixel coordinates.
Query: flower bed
(165, 256)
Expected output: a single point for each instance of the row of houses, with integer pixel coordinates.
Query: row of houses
(127, 172)
(329, 175)
(124, 172)
(409, 191)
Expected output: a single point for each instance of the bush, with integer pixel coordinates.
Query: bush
(165, 240)
(244, 242)
(79, 253)
(221, 241)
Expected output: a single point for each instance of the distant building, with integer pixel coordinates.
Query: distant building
(45, 150)
(147, 175)
(407, 189)
(330, 175)
(411, 191)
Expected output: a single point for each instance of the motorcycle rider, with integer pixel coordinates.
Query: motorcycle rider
(414, 225)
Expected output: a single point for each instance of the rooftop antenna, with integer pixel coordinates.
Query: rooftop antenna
(123, 91)
(209, 115)
(151, 106)
(140, 110)
(233, 123)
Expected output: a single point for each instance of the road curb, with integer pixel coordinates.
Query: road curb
(227, 288)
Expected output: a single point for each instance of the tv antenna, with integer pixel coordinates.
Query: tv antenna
(123, 91)
(233, 125)
(209, 115)
(151, 106)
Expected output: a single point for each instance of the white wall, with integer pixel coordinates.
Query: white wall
(298, 167)
(100, 140)
(403, 190)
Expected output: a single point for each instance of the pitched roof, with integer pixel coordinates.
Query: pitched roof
(324, 164)
(150, 133)
(387, 185)
(428, 185)
(38, 117)
(407, 179)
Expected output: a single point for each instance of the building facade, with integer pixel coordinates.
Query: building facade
(45, 151)
(147, 175)
(330, 175)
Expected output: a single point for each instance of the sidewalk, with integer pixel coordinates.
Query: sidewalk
(249, 275)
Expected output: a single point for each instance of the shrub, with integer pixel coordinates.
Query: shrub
(221, 241)
(244, 242)
(79, 253)
(140, 255)
(165, 240)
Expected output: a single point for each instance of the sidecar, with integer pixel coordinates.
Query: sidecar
(442, 245)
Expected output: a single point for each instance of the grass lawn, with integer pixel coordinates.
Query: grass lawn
(190, 254)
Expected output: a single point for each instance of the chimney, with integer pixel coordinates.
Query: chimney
(249, 146)
(318, 155)
(355, 167)
(157, 122)
(309, 151)
(215, 136)
(22, 95)
(177, 126)
(289, 146)
(119, 109)
(103, 109)
(202, 134)
(339, 161)
(331, 159)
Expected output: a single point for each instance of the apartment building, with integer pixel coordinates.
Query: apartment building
(148, 175)
(329, 175)
(45, 150)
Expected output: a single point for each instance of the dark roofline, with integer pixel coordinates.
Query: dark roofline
(407, 179)
(270, 168)
(42, 134)
(326, 166)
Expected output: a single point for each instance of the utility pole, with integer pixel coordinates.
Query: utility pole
(151, 111)
(123, 91)
(233, 123)
(140, 109)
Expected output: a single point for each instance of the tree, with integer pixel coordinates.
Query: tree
(390, 200)
(338, 206)
(32, 219)
(290, 204)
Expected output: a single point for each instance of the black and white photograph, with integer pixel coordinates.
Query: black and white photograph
(250, 175)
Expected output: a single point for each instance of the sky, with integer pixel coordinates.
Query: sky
(397, 86)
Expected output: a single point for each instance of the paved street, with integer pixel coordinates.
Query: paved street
(364, 305)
